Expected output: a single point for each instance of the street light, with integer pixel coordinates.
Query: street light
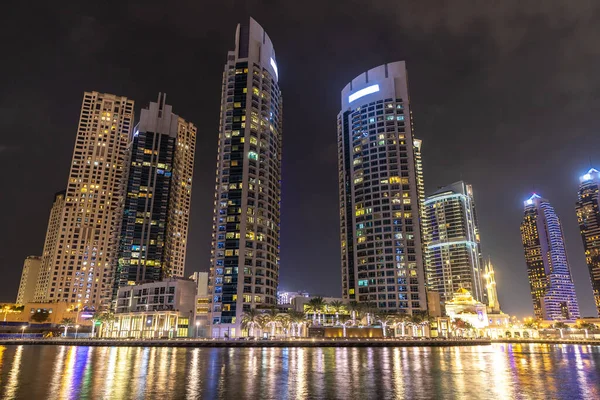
(76, 329)
(23, 331)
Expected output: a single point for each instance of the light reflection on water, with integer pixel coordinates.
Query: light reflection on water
(503, 371)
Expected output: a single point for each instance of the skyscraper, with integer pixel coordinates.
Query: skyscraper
(52, 232)
(82, 261)
(29, 277)
(244, 270)
(552, 289)
(381, 192)
(588, 215)
(452, 243)
(157, 204)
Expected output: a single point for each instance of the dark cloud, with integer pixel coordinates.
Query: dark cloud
(505, 95)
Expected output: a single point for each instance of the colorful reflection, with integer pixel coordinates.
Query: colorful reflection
(497, 371)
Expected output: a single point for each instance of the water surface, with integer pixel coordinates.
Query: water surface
(499, 371)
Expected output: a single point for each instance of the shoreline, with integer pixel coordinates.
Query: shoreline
(246, 343)
(219, 343)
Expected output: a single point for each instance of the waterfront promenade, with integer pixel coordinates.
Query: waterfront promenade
(304, 342)
(349, 342)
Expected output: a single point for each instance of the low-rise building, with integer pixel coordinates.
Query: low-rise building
(202, 305)
(284, 298)
(464, 307)
(154, 310)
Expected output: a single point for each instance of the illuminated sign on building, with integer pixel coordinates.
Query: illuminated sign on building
(363, 92)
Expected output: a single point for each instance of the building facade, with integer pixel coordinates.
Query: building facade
(381, 192)
(52, 232)
(284, 298)
(80, 266)
(154, 229)
(588, 216)
(452, 243)
(29, 278)
(244, 271)
(154, 310)
(552, 289)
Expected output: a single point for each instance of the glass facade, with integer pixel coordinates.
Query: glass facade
(552, 289)
(245, 243)
(149, 199)
(588, 216)
(452, 243)
(381, 192)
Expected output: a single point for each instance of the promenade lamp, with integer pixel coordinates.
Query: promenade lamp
(197, 327)
(23, 331)
(76, 329)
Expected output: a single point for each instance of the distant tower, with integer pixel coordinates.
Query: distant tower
(452, 243)
(52, 233)
(588, 215)
(490, 286)
(552, 289)
(157, 203)
(244, 271)
(83, 259)
(29, 277)
(381, 192)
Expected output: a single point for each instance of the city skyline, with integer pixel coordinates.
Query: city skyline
(501, 233)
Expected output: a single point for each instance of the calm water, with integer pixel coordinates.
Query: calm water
(485, 372)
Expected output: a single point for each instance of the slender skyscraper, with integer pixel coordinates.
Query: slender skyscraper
(45, 276)
(82, 261)
(29, 278)
(244, 271)
(452, 243)
(588, 215)
(552, 289)
(157, 205)
(381, 192)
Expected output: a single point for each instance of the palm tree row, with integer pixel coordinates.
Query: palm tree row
(344, 315)
(271, 319)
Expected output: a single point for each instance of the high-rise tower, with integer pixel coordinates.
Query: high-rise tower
(588, 215)
(452, 244)
(82, 261)
(381, 192)
(45, 274)
(29, 278)
(244, 271)
(157, 204)
(552, 289)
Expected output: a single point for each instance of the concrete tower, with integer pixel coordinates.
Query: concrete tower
(244, 271)
(381, 192)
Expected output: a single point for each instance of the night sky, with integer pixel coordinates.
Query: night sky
(505, 97)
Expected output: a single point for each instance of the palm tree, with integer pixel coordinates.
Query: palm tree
(370, 309)
(337, 306)
(461, 325)
(297, 319)
(316, 305)
(354, 308)
(273, 318)
(67, 323)
(345, 320)
(251, 319)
